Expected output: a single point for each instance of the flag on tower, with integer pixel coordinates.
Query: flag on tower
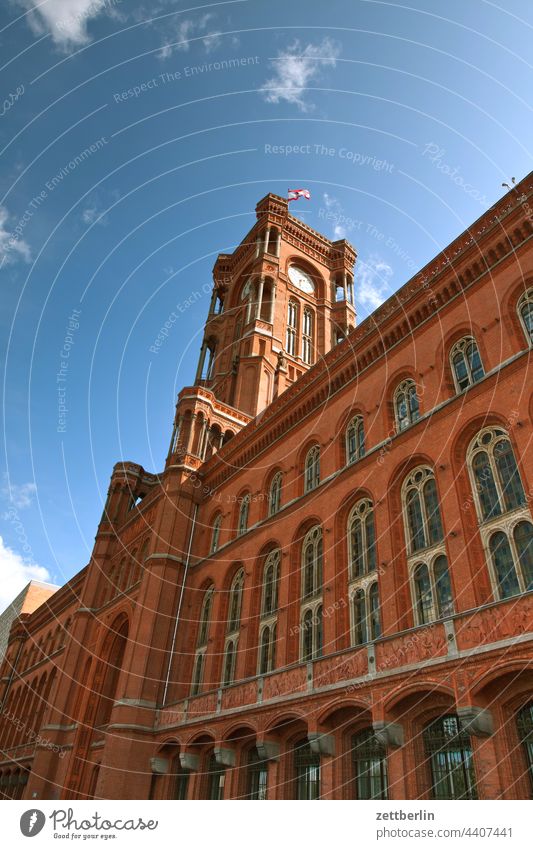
(294, 194)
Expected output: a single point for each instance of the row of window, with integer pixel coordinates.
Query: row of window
(446, 749)
(506, 531)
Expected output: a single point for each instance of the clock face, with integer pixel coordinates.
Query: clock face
(301, 279)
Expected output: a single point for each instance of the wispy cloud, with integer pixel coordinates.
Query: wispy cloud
(19, 495)
(192, 28)
(92, 214)
(66, 20)
(12, 246)
(295, 68)
(334, 206)
(372, 281)
(16, 573)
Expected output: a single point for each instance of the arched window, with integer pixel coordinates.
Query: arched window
(181, 780)
(466, 363)
(355, 440)
(421, 506)
(198, 673)
(494, 474)
(274, 495)
(312, 468)
(244, 509)
(312, 563)
(270, 583)
(524, 722)
(449, 751)
(267, 649)
(361, 539)
(205, 616)
(215, 534)
(406, 405)
(311, 628)
(504, 518)
(433, 591)
(229, 663)
(235, 602)
(369, 760)
(525, 312)
(307, 772)
(365, 614)
(292, 325)
(307, 337)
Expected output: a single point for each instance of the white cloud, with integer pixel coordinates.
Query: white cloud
(19, 495)
(16, 573)
(297, 67)
(186, 30)
(372, 281)
(11, 247)
(66, 20)
(92, 214)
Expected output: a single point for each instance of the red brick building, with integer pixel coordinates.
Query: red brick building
(328, 589)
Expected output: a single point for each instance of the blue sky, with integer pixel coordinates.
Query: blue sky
(136, 140)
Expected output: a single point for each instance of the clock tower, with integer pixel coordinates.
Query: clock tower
(280, 301)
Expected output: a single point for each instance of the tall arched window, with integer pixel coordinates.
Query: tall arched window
(270, 583)
(494, 474)
(269, 607)
(421, 505)
(229, 662)
(366, 624)
(361, 539)
(430, 580)
(256, 776)
(235, 602)
(312, 468)
(244, 510)
(369, 760)
(355, 440)
(311, 605)
(198, 673)
(504, 518)
(449, 751)
(205, 616)
(215, 779)
(215, 535)
(267, 649)
(466, 363)
(525, 312)
(274, 495)
(307, 337)
(292, 325)
(406, 405)
(524, 722)
(312, 563)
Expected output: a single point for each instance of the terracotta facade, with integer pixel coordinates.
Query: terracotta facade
(328, 589)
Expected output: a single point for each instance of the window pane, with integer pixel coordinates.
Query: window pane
(182, 784)
(359, 618)
(370, 766)
(424, 597)
(461, 371)
(375, 624)
(307, 640)
(511, 484)
(401, 411)
(449, 751)
(443, 587)
(414, 406)
(307, 769)
(370, 543)
(357, 548)
(416, 522)
(485, 486)
(432, 511)
(527, 316)
(525, 732)
(504, 566)
(523, 537)
(257, 776)
(474, 361)
(216, 776)
(318, 633)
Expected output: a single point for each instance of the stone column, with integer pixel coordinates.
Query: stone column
(201, 362)
(260, 296)
(272, 303)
